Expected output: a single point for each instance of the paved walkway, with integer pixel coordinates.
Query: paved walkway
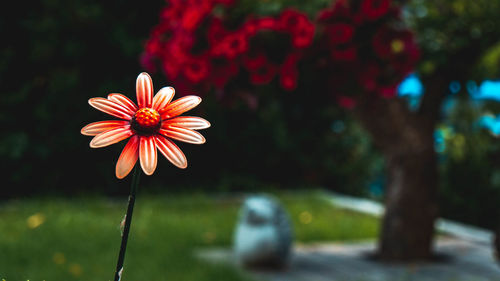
(468, 261)
(469, 252)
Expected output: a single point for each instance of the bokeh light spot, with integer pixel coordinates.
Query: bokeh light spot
(397, 46)
(59, 258)
(305, 217)
(411, 86)
(455, 87)
(75, 269)
(338, 126)
(35, 220)
(209, 237)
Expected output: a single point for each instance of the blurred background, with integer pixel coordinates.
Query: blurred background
(61, 54)
(55, 55)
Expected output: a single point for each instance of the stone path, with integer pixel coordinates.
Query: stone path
(467, 261)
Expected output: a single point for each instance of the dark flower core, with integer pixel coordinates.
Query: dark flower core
(146, 121)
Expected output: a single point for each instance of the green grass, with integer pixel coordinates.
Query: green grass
(77, 239)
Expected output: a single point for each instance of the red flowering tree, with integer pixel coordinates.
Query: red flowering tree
(198, 48)
(356, 51)
(369, 56)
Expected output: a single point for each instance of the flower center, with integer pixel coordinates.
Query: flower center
(146, 121)
(397, 46)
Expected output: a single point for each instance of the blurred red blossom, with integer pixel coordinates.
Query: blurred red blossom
(288, 78)
(263, 74)
(356, 47)
(298, 26)
(339, 33)
(194, 44)
(254, 62)
(347, 53)
(339, 12)
(289, 72)
(346, 102)
(374, 9)
(196, 69)
(368, 49)
(231, 45)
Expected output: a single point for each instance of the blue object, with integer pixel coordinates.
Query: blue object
(449, 103)
(471, 87)
(490, 123)
(411, 87)
(488, 90)
(455, 87)
(439, 141)
(377, 187)
(338, 126)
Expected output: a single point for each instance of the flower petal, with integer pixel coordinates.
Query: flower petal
(96, 128)
(128, 157)
(171, 151)
(183, 134)
(188, 122)
(180, 106)
(111, 137)
(144, 90)
(123, 101)
(110, 107)
(147, 154)
(163, 98)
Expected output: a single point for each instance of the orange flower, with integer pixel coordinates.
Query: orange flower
(150, 125)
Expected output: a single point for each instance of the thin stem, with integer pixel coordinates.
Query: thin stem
(128, 220)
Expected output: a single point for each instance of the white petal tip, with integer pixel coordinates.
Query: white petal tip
(96, 145)
(148, 173)
(83, 132)
(143, 75)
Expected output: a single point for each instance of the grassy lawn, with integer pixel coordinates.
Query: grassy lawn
(78, 239)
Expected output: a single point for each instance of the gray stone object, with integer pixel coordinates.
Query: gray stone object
(263, 236)
(496, 243)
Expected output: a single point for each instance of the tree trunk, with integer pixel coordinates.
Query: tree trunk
(406, 139)
(411, 205)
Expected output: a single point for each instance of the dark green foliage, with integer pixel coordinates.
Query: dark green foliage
(447, 29)
(290, 139)
(55, 55)
(470, 168)
(459, 41)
